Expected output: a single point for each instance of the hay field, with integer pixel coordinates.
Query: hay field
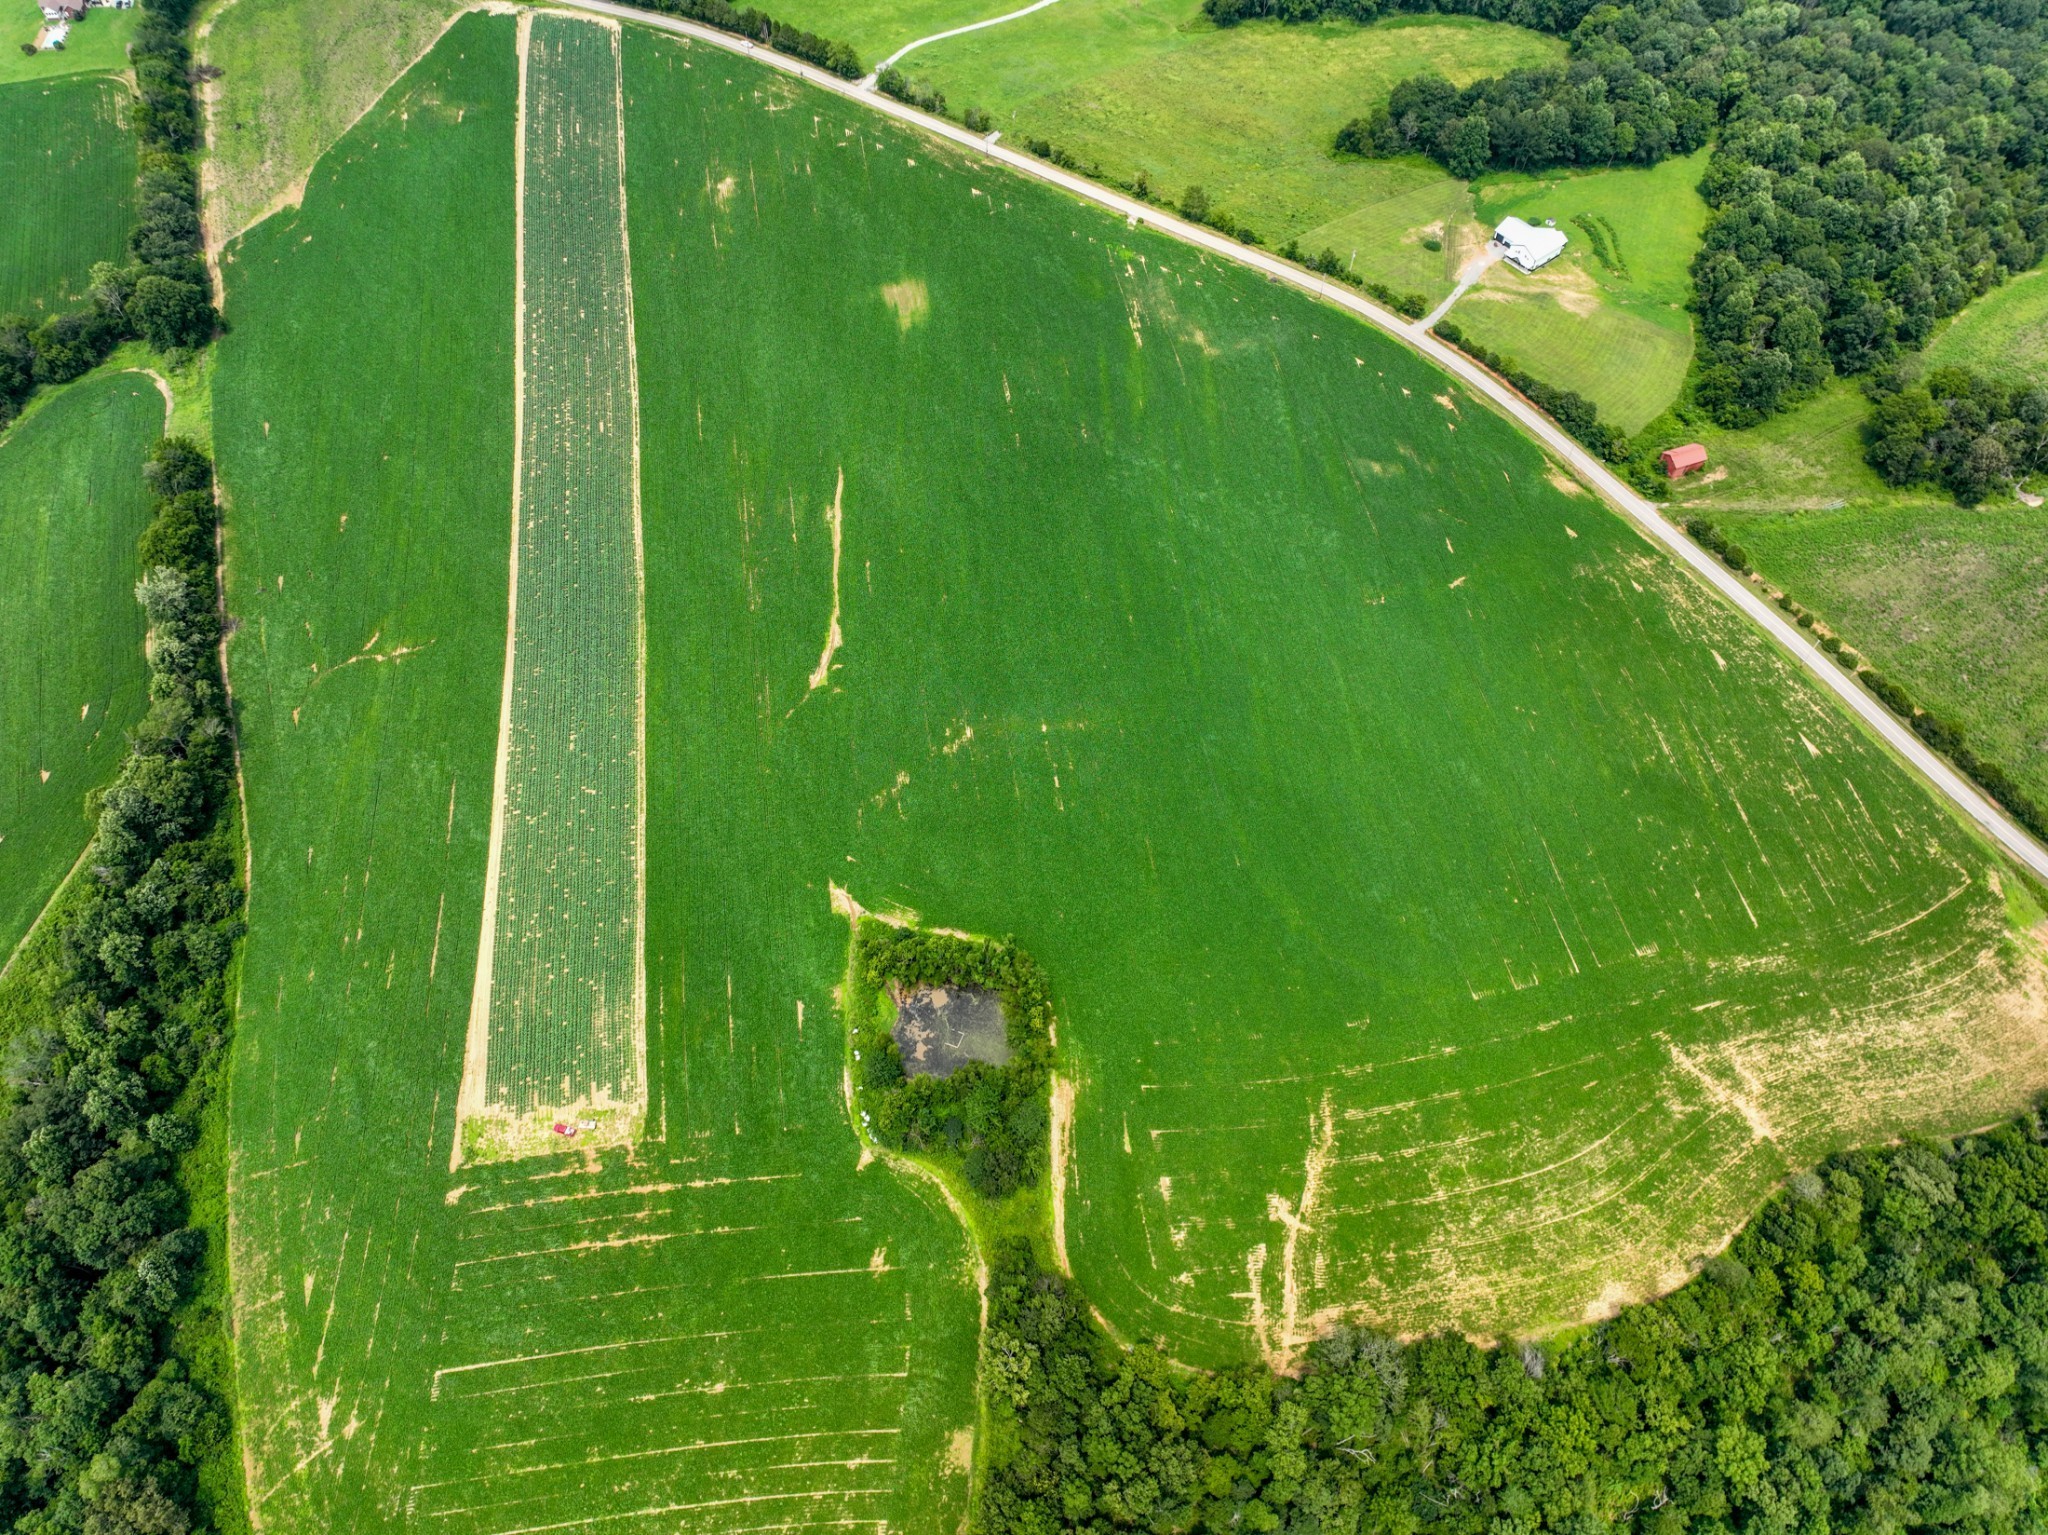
(1249, 112)
(71, 509)
(295, 75)
(557, 1023)
(734, 1329)
(1535, 915)
(1952, 601)
(67, 161)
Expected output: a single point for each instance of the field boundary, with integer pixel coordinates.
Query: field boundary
(469, 1098)
(640, 611)
(1945, 780)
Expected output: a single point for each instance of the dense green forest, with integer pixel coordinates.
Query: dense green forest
(1955, 429)
(117, 1008)
(1870, 1355)
(1876, 165)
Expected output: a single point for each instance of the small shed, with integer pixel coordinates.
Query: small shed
(1679, 462)
(1528, 246)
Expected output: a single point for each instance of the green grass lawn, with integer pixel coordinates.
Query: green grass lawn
(67, 159)
(1617, 331)
(71, 509)
(1952, 602)
(97, 45)
(2004, 333)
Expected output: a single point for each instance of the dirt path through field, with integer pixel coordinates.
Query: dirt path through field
(972, 26)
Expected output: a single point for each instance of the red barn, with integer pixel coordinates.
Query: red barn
(1679, 462)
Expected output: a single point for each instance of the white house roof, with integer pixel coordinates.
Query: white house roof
(1529, 246)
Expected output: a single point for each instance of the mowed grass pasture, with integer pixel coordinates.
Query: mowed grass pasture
(67, 160)
(71, 508)
(1249, 113)
(733, 1327)
(1947, 599)
(1950, 601)
(1456, 917)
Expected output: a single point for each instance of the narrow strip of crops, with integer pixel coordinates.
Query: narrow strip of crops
(560, 983)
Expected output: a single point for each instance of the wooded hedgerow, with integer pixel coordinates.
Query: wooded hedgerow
(113, 1014)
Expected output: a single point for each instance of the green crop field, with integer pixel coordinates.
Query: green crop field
(558, 1027)
(2004, 333)
(97, 45)
(1615, 329)
(71, 509)
(68, 162)
(734, 1321)
(1041, 577)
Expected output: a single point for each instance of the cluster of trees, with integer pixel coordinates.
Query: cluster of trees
(994, 1119)
(1871, 1355)
(1875, 167)
(1568, 408)
(1588, 112)
(921, 94)
(745, 21)
(1968, 435)
(116, 1011)
(160, 293)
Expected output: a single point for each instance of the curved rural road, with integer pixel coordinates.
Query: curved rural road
(1887, 726)
(972, 26)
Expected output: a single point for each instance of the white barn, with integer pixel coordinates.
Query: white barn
(1529, 246)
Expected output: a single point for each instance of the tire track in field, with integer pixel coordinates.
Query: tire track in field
(557, 1028)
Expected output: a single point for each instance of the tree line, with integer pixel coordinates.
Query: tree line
(114, 1022)
(992, 1121)
(160, 293)
(1874, 167)
(745, 21)
(1870, 1355)
(1568, 408)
